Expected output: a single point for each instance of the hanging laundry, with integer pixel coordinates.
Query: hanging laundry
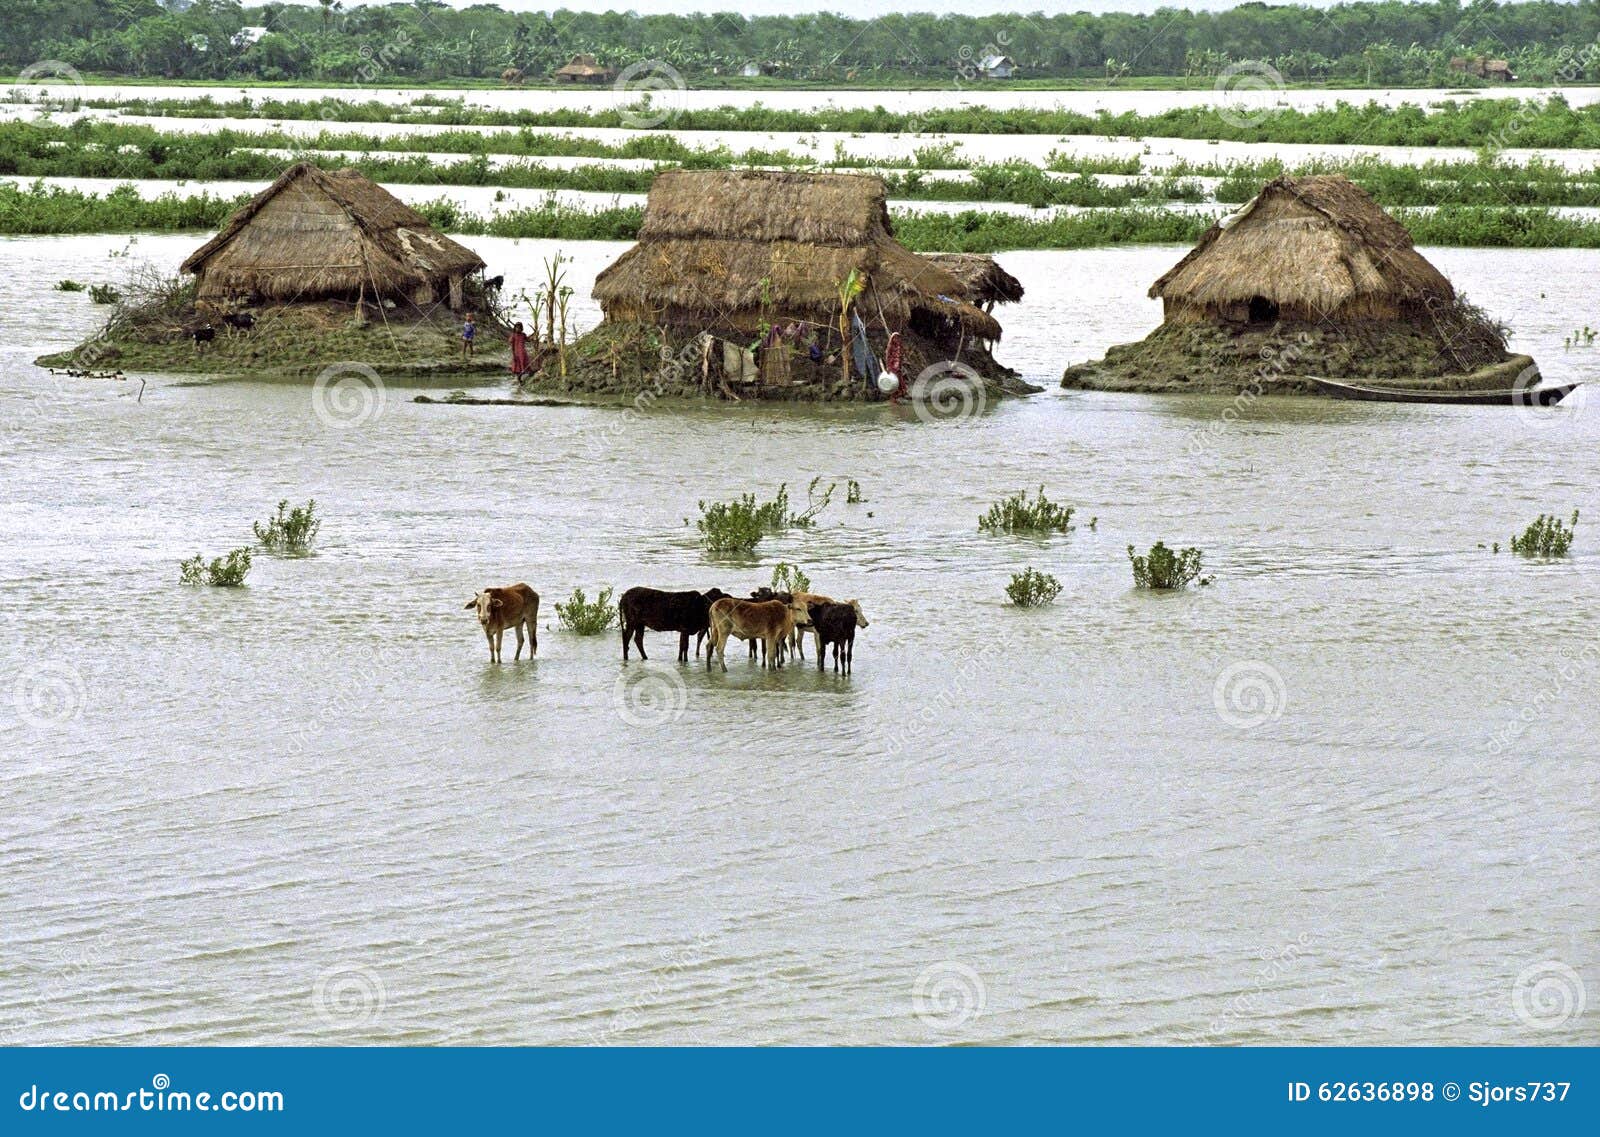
(892, 358)
(861, 351)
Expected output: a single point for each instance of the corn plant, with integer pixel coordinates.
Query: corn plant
(1031, 588)
(1017, 514)
(587, 617)
(290, 530)
(789, 578)
(1545, 537)
(1161, 568)
(222, 572)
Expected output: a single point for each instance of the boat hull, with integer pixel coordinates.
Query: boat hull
(1509, 397)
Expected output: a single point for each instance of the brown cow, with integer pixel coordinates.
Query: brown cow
(770, 621)
(510, 607)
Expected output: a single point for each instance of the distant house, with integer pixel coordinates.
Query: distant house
(997, 67)
(584, 68)
(1483, 67)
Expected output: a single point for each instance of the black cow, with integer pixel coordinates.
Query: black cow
(650, 609)
(203, 335)
(837, 624)
(239, 321)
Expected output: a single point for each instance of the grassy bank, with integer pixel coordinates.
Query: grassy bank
(1502, 122)
(44, 210)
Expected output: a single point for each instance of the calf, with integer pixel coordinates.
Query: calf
(239, 321)
(513, 607)
(203, 335)
(770, 621)
(836, 624)
(652, 610)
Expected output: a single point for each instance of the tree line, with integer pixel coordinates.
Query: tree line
(1391, 42)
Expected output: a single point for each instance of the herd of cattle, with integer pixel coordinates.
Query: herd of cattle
(777, 621)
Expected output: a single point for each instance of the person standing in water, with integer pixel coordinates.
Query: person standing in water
(519, 351)
(468, 331)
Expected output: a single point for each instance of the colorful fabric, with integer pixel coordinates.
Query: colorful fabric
(519, 354)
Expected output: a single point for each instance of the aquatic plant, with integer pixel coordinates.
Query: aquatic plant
(1546, 536)
(1017, 514)
(789, 578)
(221, 572)
(290, 530)
(105, 294)
(852, 492)
(731, 526)
(1163, 569)
(1031, 588)
(68, 286)
(587, 617)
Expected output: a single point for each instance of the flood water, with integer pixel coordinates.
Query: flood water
(1344, 794)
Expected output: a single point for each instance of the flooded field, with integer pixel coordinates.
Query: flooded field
(1346, 794)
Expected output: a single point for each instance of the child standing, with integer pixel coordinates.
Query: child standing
(468, 331)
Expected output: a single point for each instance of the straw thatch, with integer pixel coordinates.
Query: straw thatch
(730, 250)
(315, 234)
(1307, 249)
(584, 68)
(987, 284)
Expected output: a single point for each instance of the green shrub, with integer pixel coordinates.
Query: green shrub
(586, 617)
(1030, 588)
(1016, 514)
(788, 578)
(68, 286)
(290, 530)
(222, 572)
(1546, 537)
(852, 492)
(1164, 569)
(737, 526)
(104, 293)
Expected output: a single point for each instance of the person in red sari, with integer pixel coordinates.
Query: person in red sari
(519, 351)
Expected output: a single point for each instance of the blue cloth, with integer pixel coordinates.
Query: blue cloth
(861, 351)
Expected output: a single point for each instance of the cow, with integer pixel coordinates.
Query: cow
(801, 603)
(203, 335)
(837, 624)
(652, 610)
(239, 322)
(513, 606)
(771, 621)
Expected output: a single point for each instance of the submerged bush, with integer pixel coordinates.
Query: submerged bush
(587, 618)
(1031, 588)
(105, 293)
(290, 530)
(737, 526)
(788, 578)
(222, 572)
(1161, 568)
(68, 286)
(1546, 537)
(1016, 514)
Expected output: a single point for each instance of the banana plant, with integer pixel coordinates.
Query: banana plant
(849, 288)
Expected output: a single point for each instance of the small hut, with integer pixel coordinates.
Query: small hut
(320, 235)
(739, 255)
(584, 68)
(987, 284)
(1314, 277)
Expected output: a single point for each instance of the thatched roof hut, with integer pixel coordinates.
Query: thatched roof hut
(315, 234)
(1305, 249)
(726, 251)
(987, 284)
(584, 68)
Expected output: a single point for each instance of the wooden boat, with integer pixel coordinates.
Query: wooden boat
(1506, 397)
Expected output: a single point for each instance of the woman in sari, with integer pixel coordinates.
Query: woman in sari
(519, 351)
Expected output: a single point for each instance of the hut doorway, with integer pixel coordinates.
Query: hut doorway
(1263, 311)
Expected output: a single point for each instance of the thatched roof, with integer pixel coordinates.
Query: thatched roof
(986, 282)
(722, 247)
(584, 66)
(1315, 245)
(314, 232)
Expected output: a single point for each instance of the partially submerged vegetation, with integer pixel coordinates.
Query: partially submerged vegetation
(289, 531)
(587, 617)
(1545, 536)
(1031, 588)
(1020, 514)
(221, 572)
(1162, 569)
(737, 526)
